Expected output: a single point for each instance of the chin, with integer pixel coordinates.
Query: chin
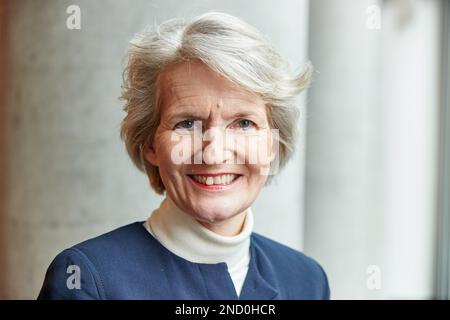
(214, 213)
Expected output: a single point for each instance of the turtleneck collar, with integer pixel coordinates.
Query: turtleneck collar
(184, 236)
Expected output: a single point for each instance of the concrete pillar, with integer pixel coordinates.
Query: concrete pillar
(371, 136)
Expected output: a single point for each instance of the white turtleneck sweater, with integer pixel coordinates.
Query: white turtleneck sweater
(184, 236)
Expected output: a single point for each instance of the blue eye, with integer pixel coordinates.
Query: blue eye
(185, 124)
(245, 124)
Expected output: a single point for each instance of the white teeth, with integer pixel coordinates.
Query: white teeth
(218, 180)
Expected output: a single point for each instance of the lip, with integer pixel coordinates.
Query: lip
(213, 174)
(214, 187)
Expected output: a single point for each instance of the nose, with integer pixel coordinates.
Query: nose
(214, 147)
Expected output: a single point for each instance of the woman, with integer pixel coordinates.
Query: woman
(210, 118)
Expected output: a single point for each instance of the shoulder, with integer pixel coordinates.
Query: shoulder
(293, 266)
(71, 276)
(123, 239)
(79, 271)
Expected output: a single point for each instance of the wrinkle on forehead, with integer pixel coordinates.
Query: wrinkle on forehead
(194, 80)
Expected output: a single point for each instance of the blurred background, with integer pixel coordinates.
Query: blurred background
(366, 194)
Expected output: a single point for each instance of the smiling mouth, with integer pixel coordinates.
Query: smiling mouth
(215, 179)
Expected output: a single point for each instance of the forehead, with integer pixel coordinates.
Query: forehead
(194, 81)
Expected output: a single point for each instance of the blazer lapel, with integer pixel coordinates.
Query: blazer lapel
(260, 282)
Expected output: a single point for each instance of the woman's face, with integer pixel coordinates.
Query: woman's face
(210, 134)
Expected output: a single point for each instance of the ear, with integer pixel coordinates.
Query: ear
(273, 147)
(273, 155)
(150, 155)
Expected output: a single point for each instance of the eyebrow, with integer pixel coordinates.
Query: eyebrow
(248, 115)
(193, 113)
(188, 112)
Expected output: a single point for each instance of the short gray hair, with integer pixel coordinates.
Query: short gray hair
(228, 46)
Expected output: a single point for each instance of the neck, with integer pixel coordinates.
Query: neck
(198, 242)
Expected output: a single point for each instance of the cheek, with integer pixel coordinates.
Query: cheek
(177, 148)
(255, 150)
(256, 177)
(171, 152)
(172, 177)
(163, 147)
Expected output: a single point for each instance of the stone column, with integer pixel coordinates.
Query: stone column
(371, 146)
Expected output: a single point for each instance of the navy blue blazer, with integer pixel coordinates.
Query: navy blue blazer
(129, 263)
